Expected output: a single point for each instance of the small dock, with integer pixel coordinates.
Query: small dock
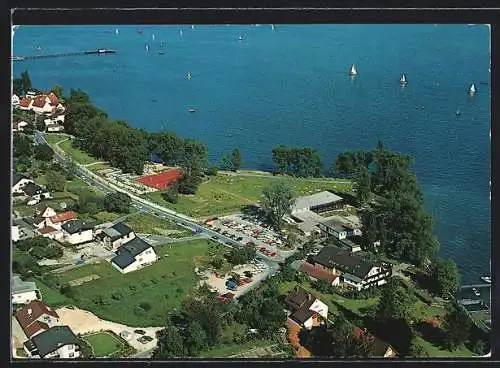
(92, 52)
(477, 286)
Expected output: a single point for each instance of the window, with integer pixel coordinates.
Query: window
(70, 347)
(148, 251)
(140, 259)
(71, 355)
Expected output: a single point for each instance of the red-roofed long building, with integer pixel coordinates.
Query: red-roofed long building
(36, 317)
(162, 180)
(58, 220)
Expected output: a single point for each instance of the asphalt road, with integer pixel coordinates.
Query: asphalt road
(181, 221)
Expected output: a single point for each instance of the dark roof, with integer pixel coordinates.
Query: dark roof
(122, 228)
(38, 220)
(380, 346)
(32, 189)
(317, 273)
(52, 339)
(125, 255)
(155, 157)
(339, 258)
(303, 314)
(297, 299)
(74, 226)
(16, 178)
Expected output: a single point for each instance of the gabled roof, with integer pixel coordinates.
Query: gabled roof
(54, 101)
(317, 199)
(298, 299)
(39, 101)
(32, 189)
(25, 102)
(303, 314)
(122, 228)
(17, 177)
(75, 226)
(38, 220)
(32, 312)
(47, 230)
(125, 255)
(63, 216)
(331, 257)
(51, 340)
(316, 273)
(17, 285)
(381, 347)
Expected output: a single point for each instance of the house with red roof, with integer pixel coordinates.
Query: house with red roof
(382, 348)
(25, 103)
(58, 220)
(36, 317)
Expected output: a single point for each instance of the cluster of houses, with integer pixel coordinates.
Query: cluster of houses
(305, 311)
(46, 104)
(36, 325)
(25, 189)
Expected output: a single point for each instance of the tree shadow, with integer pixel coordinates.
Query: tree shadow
(251, 210)
(430, 333)
(396, 332)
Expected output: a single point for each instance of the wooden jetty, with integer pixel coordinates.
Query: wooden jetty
(485, 285)
(93, 52)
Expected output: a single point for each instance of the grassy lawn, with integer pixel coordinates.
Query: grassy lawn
(54, 138)
(223, 194)
(52, 296)
(162, 286)
(103, 344)
(99, 166)
(145, 223)
(435, 351)
(24, 210)
(77, 155)
(107, 216)
(227, 350)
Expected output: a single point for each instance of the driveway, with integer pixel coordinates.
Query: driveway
(82, 322)
(18, 335)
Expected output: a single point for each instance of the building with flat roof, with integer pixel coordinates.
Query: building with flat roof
(320, 202)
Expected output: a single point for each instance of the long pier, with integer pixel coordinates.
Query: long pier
(485, 285)
(93, 52)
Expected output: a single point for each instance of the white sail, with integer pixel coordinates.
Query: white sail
(272, 27)
(353, 70)
(403, 79)
(192, 26)
(180, 32)
(472, 89)
(189, 76)
(116, 31)
(147, 47)
(153, 36)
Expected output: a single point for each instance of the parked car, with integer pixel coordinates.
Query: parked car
(215, 237)
(140, 332)
(239, 238)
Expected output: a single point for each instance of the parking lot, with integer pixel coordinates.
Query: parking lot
(258, 271)
(250, 231)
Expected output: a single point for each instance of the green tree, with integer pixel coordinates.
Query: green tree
(170, 343)
(171, 194)
(456, 326)
(117, 202)
(281, 157)
(363, 185)
(58, 91)
(395, 302)
(277, 201)
(56, 182)
(22, 146)
(241, 255)
(417, 350)
(43, 152)
(196, 339)
(17, 86)
(189, 182)
(89, 202)
(26, 81)
(445, 276)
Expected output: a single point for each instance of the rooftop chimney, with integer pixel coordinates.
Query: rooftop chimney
(309, 296)
(30, 311)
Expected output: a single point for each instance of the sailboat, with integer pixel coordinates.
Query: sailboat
(353, 71)
(240, 38)
(153, 36)
(472, 89)
(117, 31)
(147, 47)
(457, 113)
(189, 76)
(192, 26)
(272, 27)
(180, 32)
(403, 80)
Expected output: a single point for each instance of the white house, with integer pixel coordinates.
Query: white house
(318, 203)
(45, 104)
(304, 308)
(116, 235)
(54, 120)
(19, 181)
(58, 220)
(23, 292)
(50, 232)
(36, 317)
(44, 210)
(77, 232)
(19, 126)
(14, 233)
(15, 100)
(55, 128)
(333, 228)
(58, 342)
(133, 256)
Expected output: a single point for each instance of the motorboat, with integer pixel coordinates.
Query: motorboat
(476, 292)
(352, 71)
(486, 279)
(192, 109)
(403, 81)
(189, 76)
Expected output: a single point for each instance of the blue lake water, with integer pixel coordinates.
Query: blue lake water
(291, 87)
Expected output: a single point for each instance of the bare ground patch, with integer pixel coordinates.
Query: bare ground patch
(83, 280)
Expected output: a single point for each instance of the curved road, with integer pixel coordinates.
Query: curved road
(154, 209)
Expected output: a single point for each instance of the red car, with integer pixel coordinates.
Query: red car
(262, 249)
(273, 254)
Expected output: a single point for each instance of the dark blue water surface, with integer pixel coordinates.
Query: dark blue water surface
(291, 87)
